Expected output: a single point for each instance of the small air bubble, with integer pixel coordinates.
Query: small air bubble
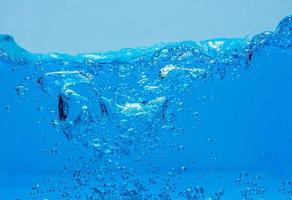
(181, 147)
(7, 108)
(20, 90)
(54, 151)
(210, 140)
(183, 168)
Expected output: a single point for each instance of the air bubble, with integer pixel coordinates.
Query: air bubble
(20, 90)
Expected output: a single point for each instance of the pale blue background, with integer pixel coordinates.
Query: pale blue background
(76, 26)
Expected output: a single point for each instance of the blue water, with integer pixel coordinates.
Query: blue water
(189, 120)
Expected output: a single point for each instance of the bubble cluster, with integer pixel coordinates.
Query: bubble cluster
(286, 188)
(252, 187)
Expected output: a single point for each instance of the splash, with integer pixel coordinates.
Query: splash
(125, 102)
